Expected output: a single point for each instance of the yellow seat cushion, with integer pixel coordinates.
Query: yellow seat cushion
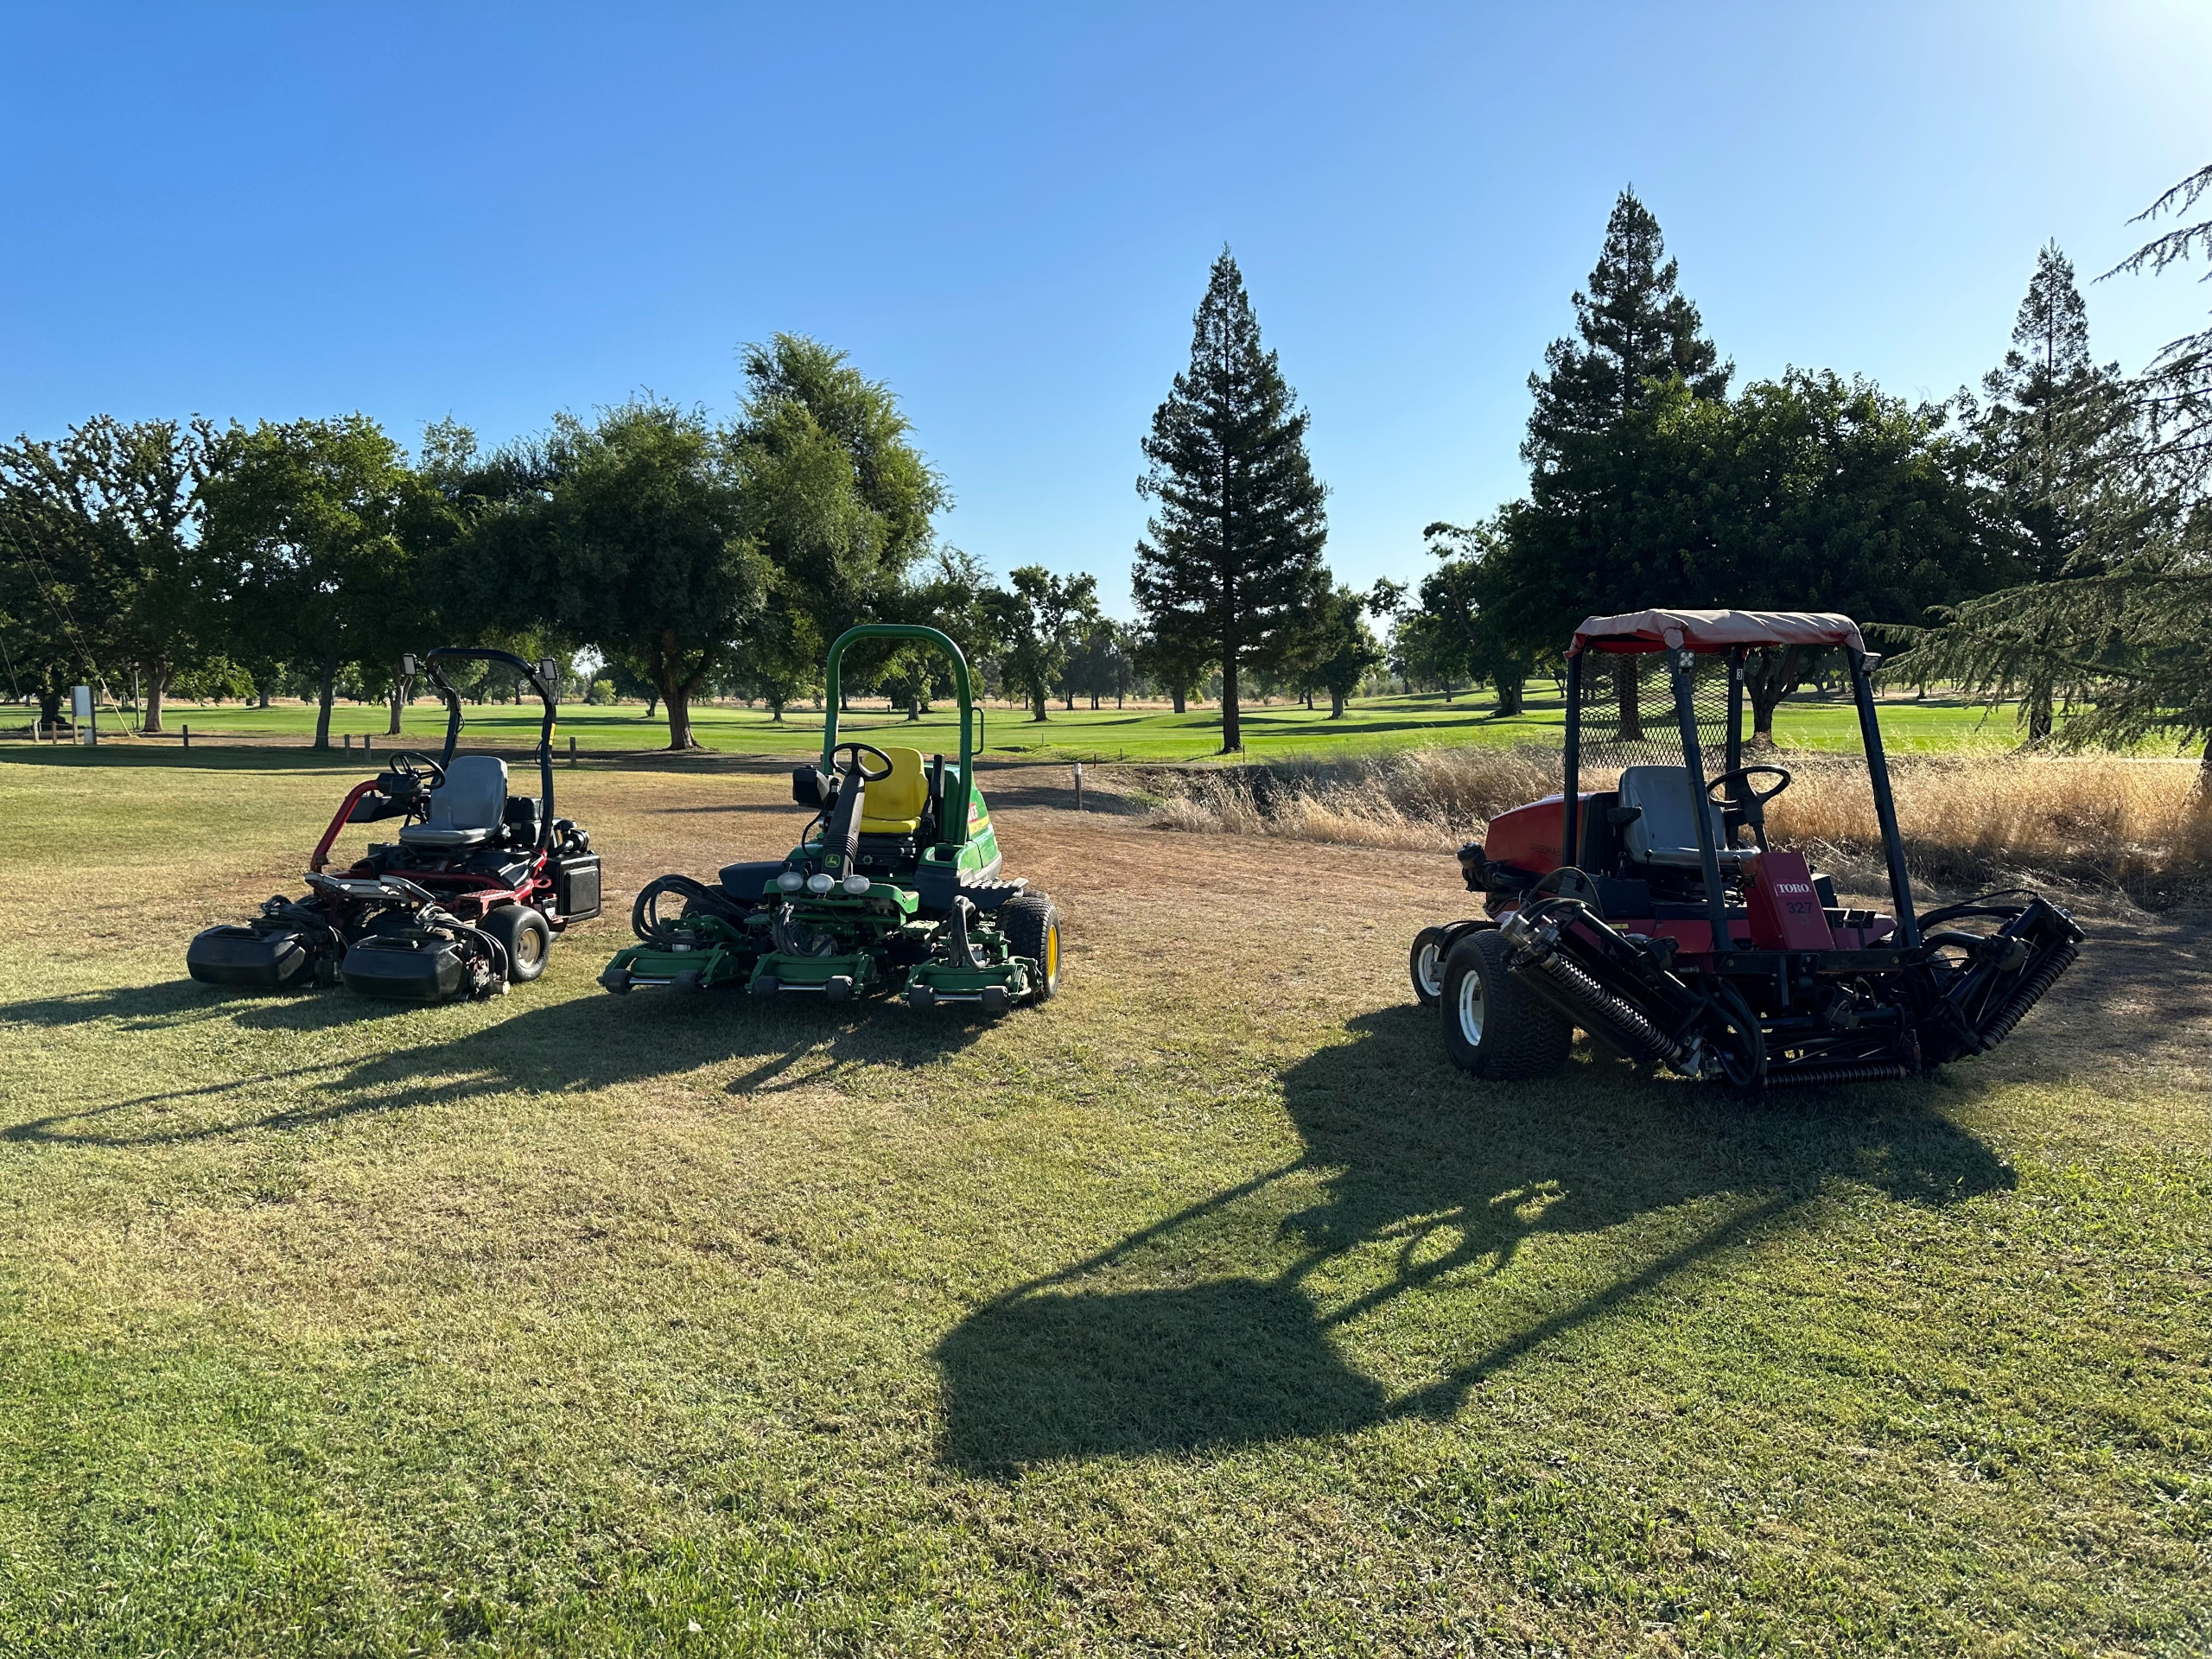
(894, 806)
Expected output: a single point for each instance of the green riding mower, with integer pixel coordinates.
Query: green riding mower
(895, 888)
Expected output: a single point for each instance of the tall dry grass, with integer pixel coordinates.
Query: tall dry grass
(2102, 820)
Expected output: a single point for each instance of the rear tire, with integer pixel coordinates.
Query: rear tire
(1032, 926)
(1495, 1026)
(526, 938)
(1426, 964)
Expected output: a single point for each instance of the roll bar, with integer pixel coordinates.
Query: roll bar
(955, 826)
(540, 676)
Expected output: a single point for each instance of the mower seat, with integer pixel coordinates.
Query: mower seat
(1664, 832)
(892, 805)
(469, 809)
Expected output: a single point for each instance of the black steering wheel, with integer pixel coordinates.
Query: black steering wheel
(1752, 802)
(856, 764)
(410, 767)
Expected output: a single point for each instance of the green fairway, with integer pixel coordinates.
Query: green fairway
(1143, 733)
(1206, 1309)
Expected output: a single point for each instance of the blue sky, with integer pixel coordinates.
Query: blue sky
(264, 212)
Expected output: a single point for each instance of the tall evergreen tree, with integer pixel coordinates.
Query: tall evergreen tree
(2057, 448)
(1585, 540)
(1635, 327)
(1238, 527)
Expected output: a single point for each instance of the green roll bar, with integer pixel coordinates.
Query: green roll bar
(954, 830)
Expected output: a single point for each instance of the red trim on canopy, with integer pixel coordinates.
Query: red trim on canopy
(1640, 631)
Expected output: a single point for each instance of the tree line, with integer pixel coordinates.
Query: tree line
(2041, 540)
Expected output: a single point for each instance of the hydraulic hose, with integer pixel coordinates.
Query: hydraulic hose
(644, 914)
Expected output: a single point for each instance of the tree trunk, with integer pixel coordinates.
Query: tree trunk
(1509, 693)
(1309, 700)
(1768, 678)
(776, 711)
(1038, 702)
(1094, 702)
(1336, 704)
(1178, 696)
(398, 707)
(152, 727)
(263, 690)
(913, 710)
(652, 701)
(1232, 731)
(1625, 689)
(322, 707)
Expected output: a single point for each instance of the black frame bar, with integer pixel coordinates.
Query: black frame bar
(1570, 807)
(529, 672)
(1885, 811)
(1716, 901)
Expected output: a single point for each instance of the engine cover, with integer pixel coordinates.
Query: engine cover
(1785, 907)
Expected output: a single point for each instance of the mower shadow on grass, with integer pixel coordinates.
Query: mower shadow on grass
(581, 1044)
(173, 1002)
(1429, 1183)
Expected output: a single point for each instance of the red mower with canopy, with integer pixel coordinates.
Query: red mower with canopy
(1656, 916)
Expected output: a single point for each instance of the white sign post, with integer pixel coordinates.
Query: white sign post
(81, 714)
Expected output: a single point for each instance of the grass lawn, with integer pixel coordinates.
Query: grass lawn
(1142, 734)
(1207, 1309)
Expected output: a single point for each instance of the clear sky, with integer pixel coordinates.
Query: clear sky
(264, 212)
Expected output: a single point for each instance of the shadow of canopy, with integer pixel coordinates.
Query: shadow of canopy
(1449, 1179)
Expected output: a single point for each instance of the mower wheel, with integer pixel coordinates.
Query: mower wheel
(526, 938)
(1431, 944)
(1032, 926)
(1494, 1026)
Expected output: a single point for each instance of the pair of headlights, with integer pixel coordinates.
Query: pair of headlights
(817, 884)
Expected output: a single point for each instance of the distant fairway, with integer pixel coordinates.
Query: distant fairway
(1147, 732)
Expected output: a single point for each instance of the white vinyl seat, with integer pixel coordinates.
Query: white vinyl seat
(468, 809)
(1665, 831)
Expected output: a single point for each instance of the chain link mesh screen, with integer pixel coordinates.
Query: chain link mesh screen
(1628, 719)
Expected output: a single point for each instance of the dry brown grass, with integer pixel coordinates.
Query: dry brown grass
(2103, 820)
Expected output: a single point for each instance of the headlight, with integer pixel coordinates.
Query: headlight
(819, 884)
(856, 883)
(791, 880)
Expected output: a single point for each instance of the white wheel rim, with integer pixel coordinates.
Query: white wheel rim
(1432, 970)
(1471, 1007)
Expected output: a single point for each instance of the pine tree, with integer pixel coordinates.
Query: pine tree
(1635, 327)
(1238, 527)
(1587, 541)
(2056, 447)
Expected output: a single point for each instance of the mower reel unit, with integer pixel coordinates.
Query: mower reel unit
(468, 899)
(1656, 916)
(893, 888)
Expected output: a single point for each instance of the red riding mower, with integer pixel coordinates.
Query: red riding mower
(468, 897)
(1643, 917)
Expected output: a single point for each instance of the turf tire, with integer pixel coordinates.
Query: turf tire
(1032, 926)
(1515, 1037)
(1426, 964)
(525, 937)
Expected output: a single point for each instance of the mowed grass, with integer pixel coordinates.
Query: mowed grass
(1207, 1309)
(1138, 732)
